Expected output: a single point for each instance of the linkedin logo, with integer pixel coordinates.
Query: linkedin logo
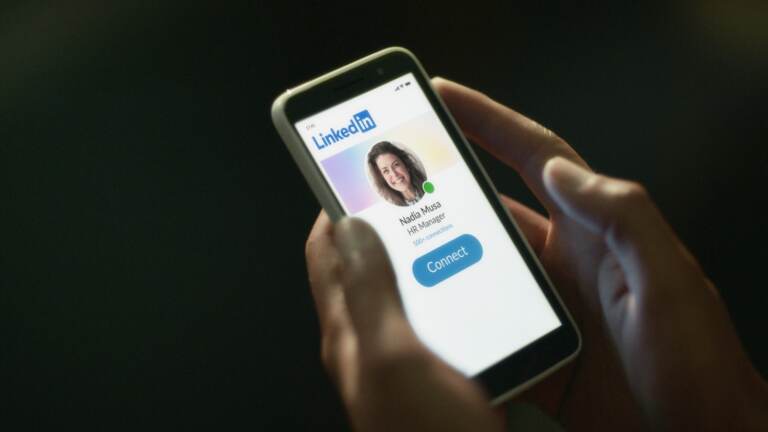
(360, 123)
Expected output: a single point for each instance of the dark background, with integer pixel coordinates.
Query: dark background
(152, 224)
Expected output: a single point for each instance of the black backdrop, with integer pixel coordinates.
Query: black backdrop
(152, 225)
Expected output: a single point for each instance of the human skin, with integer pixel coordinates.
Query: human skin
(396, 175)
(658, 347)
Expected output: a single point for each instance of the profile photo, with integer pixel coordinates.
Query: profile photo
(396, 174)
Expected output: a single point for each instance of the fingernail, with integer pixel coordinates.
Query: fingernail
(563, 176)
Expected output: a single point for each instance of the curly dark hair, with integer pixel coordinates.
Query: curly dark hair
(417, 175)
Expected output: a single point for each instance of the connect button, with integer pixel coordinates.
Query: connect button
(438, 265)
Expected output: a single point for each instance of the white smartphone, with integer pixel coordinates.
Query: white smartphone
(375, 141)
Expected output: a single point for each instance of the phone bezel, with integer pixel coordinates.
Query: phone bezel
(520, 369)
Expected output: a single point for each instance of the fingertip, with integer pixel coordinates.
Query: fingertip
(549, 175)
(563, 177)
(451, 91)
(342, 225)
(439, 81)
(441, 85)
(549, 167)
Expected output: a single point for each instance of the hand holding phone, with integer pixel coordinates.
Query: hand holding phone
(405, 376)
(390, 380)
(341, 350)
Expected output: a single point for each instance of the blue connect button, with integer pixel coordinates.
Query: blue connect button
(438, 265)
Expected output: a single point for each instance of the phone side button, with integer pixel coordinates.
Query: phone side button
(445, 261)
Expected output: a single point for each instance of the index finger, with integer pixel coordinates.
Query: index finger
(323, 268)
(511, 137)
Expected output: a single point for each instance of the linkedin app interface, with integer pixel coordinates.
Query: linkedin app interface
(466, 289)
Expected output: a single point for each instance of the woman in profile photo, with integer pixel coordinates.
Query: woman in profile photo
(397, 174)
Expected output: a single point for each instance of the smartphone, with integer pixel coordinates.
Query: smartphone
(375, 141)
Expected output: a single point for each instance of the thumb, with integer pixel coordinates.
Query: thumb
(370, 289)
(681, 356)
(622, 214)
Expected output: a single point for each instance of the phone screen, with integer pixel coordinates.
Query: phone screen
(466, 289)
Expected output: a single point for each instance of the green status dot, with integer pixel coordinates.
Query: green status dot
(428, 187)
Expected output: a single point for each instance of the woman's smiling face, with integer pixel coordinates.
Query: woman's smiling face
(394, 172)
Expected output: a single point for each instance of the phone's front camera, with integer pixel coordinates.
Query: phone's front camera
(380, 71)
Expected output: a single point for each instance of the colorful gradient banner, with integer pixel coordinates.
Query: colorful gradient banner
(423, 136)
